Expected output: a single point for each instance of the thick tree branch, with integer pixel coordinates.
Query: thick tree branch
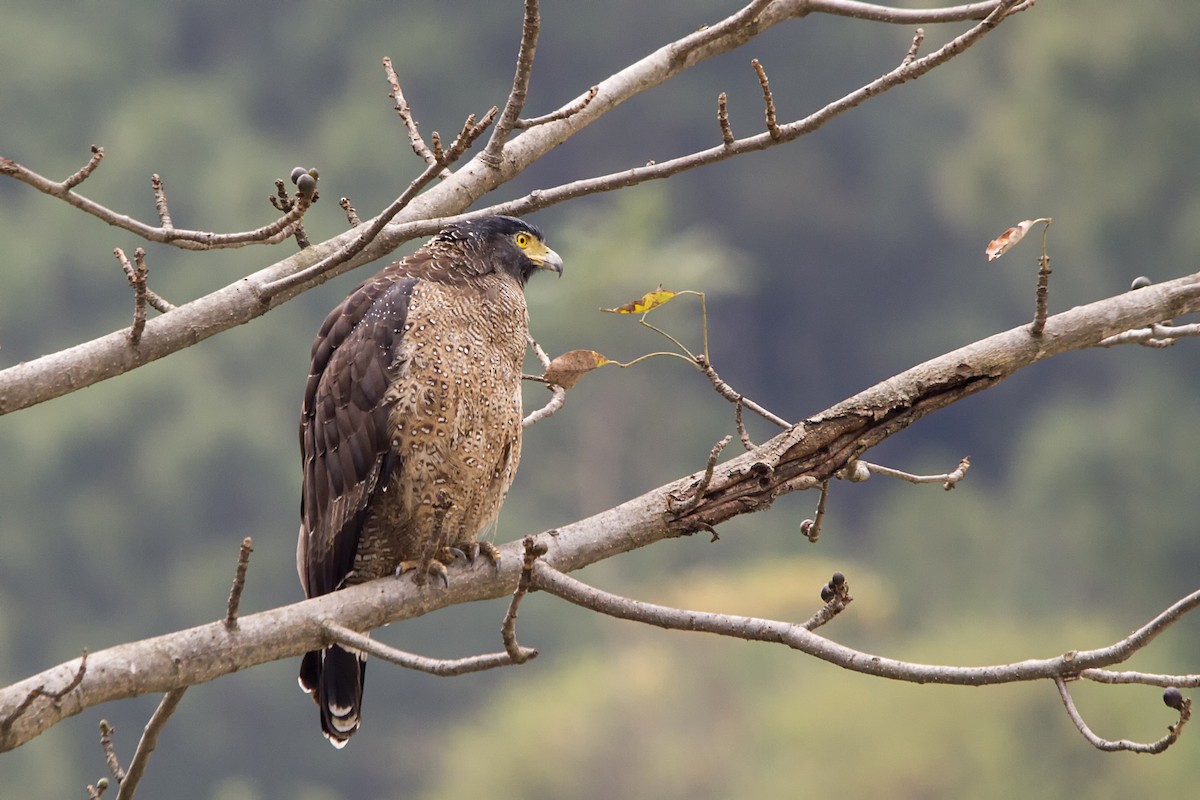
(799, 458)
(51, 376)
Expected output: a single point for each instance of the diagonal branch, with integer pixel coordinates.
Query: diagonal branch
(410, 124)
(59, 373)
(471, 131)
(799, 458)
(530, 26)
(799, 636)
(149, 741)
(166, 233)
(781, 134)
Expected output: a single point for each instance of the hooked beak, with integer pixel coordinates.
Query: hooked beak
(550, 260)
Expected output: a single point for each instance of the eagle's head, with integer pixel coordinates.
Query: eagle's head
(508, 244)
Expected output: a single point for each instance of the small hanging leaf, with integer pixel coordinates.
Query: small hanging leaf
(646, 302)
(567, 369)
(1008, 240)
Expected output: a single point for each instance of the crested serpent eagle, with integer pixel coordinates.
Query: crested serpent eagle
(410, 431)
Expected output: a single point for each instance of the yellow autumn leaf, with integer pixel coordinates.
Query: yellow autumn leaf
(646, 302)
(567, 369)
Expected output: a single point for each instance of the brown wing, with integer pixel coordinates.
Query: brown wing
(343, 424)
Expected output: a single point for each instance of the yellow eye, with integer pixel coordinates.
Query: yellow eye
(522, 240)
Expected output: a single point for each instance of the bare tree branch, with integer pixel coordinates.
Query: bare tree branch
(799, 458)
(858, 471)
(405, 113)
(563, 113)
(441, 667)
(1173, 731)
(53, 375)
(530, 26)
(471, 131)
(149, 741)
(239, 583)
(273, 233)
(799, 636)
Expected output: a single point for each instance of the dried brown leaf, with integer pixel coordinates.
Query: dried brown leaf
(1009, 239)
(567, 369)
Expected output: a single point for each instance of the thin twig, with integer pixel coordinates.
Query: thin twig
(747, 442)
(40, 691)
(471, 131)
(530, 25)
(283, 202)
(176, 237)
(1041, 309)
(728, 392)
(1043, 297)
(768, 101)
(837, 596)
(149, 740)
(110, 751)
(558, 395)
(87, 169)
(568, 110)
(799, 637)
(915, 47)
(351, 212)
(859, 470)
(1143, 678)
(1110, 746)
(508, 628)
(441, 667)
(239, 584)
(709, 467)
(405, 113)
(153, 299)
(558, 398)
(160, 201)
(723, 120)
(658, 170)
(811, 528)
(1157, 335)
(137, 278)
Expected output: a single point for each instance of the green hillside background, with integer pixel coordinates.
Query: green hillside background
(829, 264)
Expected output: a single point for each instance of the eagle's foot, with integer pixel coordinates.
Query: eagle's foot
(469, 551)
(423, 568)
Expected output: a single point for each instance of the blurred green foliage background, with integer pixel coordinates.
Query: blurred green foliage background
(829, 264)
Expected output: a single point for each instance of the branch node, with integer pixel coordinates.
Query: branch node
(40, 691)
